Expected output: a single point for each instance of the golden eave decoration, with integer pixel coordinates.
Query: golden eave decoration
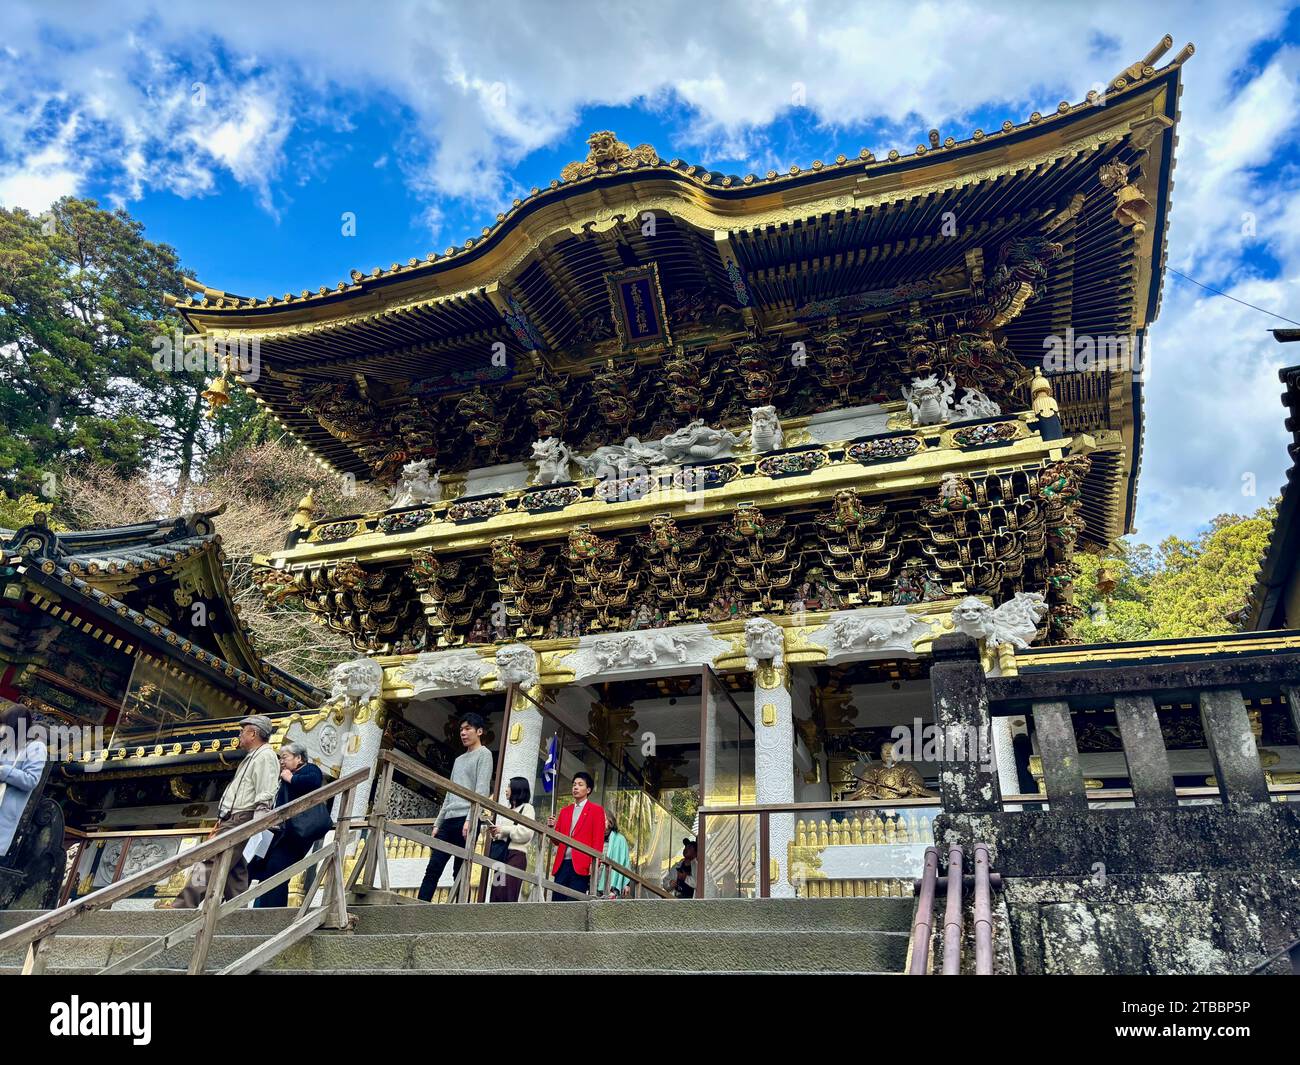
(607, 155)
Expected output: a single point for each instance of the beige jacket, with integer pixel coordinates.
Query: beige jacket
(517, 836)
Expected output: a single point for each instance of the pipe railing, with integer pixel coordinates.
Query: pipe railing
(985, 880)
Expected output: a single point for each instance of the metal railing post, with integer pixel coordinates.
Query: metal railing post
(952, 914)
(983, 913)
(923, 920)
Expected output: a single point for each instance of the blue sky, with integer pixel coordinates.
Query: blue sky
(241, 135)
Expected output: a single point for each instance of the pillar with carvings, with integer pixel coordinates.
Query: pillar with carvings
(518, 665)
(773, 741)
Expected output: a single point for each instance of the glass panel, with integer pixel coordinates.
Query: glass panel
(844, 852)
(731, 843)
(727, 762)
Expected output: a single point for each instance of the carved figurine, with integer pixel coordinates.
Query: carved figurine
(696, 442)
(890, 779)
(1015, 621)
(552, 458)
(417, 486)
(765, 429)
(975, 404)
(929, 400)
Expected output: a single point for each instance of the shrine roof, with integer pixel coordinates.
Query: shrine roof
(620, 171)
(139, 583)
(863, 238)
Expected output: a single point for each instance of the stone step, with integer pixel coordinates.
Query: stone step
(632, 915)
(670, 951)
(14, 971)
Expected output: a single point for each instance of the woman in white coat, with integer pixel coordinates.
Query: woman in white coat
(20, 770)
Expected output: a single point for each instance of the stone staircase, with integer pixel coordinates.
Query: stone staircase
(715, 936)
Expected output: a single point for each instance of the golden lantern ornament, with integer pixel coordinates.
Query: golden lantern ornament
(217, 393)
(1106, 580)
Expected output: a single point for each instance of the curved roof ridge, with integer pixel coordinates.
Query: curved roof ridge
(609, 157)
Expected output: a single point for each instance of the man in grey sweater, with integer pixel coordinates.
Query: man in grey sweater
(472, 770)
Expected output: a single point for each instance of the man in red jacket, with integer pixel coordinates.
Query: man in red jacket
(584, 821)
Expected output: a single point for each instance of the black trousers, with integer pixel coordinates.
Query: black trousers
(449, 832)
(567, 877)
(283, 853)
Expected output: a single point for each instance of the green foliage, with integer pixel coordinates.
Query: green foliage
(82, 317)
(80, 303)
(15, 513)
(1181, 588)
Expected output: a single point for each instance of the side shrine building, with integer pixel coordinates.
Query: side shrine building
(758, 497)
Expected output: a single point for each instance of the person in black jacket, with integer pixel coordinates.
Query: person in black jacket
(297, 777)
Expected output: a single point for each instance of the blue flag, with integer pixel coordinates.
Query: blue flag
(552, 763)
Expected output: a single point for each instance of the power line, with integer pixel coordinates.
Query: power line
(1271, 314)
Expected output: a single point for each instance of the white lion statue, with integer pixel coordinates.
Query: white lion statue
(1014, 622)
(417, 486)
(764, 642)
(765, 429)
(353, 684)
(929, 400)
(552, 458)
(516, 664)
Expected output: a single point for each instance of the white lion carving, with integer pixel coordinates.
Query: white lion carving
(353, 684)
(697, 442)
(1014, 622)
(437, 672)
(638, 650)
(929, 400)
(620, 460)
(764, 642)
(553, 458)
(852, 631)
(765, 429)
(516, 664)
(417, 486)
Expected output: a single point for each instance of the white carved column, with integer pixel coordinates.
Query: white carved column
(361, 751)
(773, 742)
(518, 664)
(1004, 756)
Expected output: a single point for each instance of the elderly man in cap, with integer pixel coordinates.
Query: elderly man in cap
(251, 792)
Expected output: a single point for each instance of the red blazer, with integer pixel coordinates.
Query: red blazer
(590, 830)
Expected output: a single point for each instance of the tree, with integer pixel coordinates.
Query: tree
(82, 317)
(15, 513)
(260, 486)
(1182, 588)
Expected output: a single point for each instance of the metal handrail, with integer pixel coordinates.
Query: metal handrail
(923, 916)
(379, 823)
(37, 933)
